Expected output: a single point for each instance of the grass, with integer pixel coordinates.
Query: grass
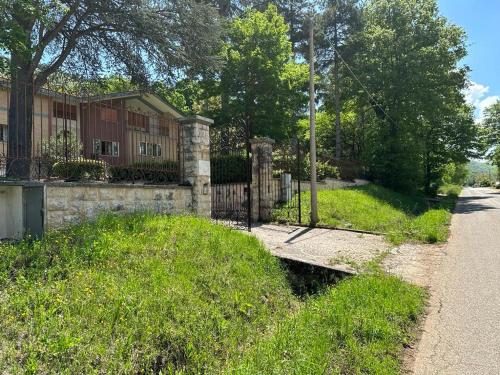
(450, 190)
(356, 328)
(143, 293)
(134, 295)
(377, 209)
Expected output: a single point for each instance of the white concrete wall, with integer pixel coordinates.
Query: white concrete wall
(330, 184)
(11, 212)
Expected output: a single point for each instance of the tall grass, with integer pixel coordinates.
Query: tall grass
(136, 294)
(375, 208)
(356, 328)
(152, 294)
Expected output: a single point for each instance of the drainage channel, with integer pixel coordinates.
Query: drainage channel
(309, 278)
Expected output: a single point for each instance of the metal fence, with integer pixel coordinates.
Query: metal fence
(280, 184)
(231, 175)
(120, 137)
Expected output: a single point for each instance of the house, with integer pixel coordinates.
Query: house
(128, 128)
(121, 128)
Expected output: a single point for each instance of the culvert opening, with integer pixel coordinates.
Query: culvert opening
(308, 279)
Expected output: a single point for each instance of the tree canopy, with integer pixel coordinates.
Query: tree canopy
(390, 82)
(263, 85)
(138, 38)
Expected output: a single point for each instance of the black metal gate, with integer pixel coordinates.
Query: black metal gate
(231, 175)
(280, 184)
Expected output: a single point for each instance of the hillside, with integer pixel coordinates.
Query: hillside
(478, 166)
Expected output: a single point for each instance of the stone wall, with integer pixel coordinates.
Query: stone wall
(67, 203)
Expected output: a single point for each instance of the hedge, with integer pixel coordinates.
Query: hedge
(230, 168)
(155, 172)
(79, 169)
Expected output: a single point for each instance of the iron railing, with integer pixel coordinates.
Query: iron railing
(118, 137)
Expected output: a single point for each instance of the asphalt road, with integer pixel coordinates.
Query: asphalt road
(461, 334)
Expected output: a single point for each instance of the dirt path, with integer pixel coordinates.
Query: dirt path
(461, 334)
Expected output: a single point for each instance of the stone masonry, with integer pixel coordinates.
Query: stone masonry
(68, 203)
(262, 172)
(195, 148)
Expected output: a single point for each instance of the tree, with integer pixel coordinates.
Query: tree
(447, 141)
(139, 38)
(264, 86)
(340, 22)
(490, 131)
(409, 66)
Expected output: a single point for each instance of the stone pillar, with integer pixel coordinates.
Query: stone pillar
(262, 178)
(195, 161)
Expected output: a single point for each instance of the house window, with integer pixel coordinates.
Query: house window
(156, 150)
(67, 111)
(106, 148)
(149, 149)
(109, 115)
(164, 127)
(137, 120)
(3, 133)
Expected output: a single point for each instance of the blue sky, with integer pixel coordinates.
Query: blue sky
(481, 21)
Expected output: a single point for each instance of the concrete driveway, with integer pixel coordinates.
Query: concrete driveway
(337, 249)
(461, 334)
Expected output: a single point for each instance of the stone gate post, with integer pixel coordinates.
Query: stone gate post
(195, 161)
(262, 178)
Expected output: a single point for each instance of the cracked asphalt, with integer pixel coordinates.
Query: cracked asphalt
(461, 334)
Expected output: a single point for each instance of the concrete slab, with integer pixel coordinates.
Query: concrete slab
(335, 249)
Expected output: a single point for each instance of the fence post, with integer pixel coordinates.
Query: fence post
(195, 161)
(262, 177)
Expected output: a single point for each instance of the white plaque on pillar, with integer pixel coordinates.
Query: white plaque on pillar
(204, 167)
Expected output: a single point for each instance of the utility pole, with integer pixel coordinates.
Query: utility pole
(312, 126)
(338, 135)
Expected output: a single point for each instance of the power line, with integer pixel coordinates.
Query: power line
(362, 85)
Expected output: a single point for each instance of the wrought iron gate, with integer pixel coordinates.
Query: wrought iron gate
(231, 175)
(279, 183)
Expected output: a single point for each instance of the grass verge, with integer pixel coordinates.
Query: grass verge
(375, 208)
(358, 327)
(142, 293)
(135, 295)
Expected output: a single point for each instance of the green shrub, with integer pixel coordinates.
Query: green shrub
(155, 172)
(349, 169)
(450, 190)
(230, 168)
(79, 169)
(324, 169)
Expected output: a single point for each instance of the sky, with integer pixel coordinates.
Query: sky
(481, 21)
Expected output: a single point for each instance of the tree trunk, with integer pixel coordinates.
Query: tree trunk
(427, 176)
(20, 120)
(338, 135)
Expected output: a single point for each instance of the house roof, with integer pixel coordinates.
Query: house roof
(4, 83)
(150, 99)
